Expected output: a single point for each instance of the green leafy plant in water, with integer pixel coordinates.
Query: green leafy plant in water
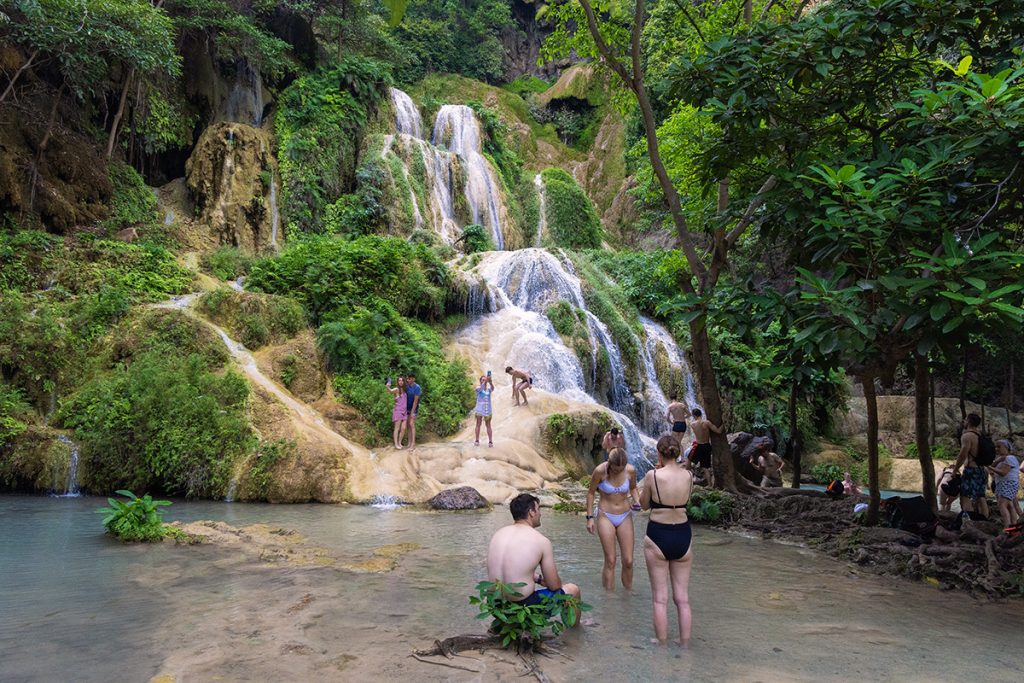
(517, 623)
(136, 520)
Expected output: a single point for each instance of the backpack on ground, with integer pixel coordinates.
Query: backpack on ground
(986, 451)
(910, 514)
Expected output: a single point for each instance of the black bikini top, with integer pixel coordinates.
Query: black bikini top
(657, 505)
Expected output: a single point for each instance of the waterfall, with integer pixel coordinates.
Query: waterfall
(245, 101)
(523, 284)
(457, 130)
(71, 485)
(275, 217)
(655, 401)
(542, 219)
(407, 116)
(232, 490)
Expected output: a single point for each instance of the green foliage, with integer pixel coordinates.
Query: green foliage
(13, 409)
(709, 505)
(228, 263)
(319, 125)
(373, 344)
(526, 84)
(496, 147)
(254, 319)
(459, 38)
(289, 369)
(158, 411)
(825, 472)
(571, 218)
(260, 475)
(560, 427)
(85, 40)
(137, 520)
(475, 238)
(523, 624)
(330, 275)
(565, 318)
(133, 202)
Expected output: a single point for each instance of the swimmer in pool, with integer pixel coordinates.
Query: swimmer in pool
(667, 545)
(616, 480)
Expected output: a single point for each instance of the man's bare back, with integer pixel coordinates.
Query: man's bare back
(702, 430)
(678, 412)
(514, 554)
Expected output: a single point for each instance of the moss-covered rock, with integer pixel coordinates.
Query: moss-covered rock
(574, 438)
(253, 318)
(36, 461)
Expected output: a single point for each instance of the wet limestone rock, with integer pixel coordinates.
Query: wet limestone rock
(461, 498)
(232, 179)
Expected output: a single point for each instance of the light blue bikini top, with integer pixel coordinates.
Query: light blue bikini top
(606, 487)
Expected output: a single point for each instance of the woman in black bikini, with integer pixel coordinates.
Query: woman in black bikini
(667, 548)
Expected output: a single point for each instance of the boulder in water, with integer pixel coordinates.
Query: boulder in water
(461, 498)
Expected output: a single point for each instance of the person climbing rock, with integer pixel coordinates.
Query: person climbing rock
(521, 381)
(701, 454)
(677, 415)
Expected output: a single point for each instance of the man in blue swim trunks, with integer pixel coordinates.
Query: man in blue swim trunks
(518, 549)
(974, 482)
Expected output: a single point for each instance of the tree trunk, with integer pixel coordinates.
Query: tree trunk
(963, 387)
(112, 139)
(931, 400)
(1009, 403)
(871, 403)
(725, 472)
(748, 11)
(795, 445)
(924, 451)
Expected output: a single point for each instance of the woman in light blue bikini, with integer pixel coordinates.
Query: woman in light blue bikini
(616, 480)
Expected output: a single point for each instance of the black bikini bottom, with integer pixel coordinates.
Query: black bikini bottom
(672, 539)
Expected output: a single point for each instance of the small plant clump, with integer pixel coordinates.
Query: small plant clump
(136, 520)
(523, 624)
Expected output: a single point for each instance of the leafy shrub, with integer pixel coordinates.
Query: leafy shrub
(254, 319)
(327, 274)
(475, 238)
(268, 454)
(12, 408)
(572, 220)
(825, 472)
(710, 505)
(564, 317)
(167, 420)
(526, 84)
(137, 520)
(523, 624)
(319, 125)
(228, 263)
(132, 202)
(707, 511)
(289, 369)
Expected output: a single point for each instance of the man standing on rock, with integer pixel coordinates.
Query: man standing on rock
(516, 551)
(701, 455)
(677, 415)
(613, 439)
(974, 482)
(412, 402)
(770, 466)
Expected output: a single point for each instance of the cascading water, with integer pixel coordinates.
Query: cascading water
(542, 218)
(275, 217)
(451, 161)
(71, 485)
(655, 406)
(457, 129)
(245, 101)
(407, 116)
(523, 285)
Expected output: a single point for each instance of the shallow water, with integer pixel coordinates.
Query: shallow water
(76, 604)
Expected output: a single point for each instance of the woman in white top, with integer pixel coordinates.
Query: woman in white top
(483, 408)
(1006, 471)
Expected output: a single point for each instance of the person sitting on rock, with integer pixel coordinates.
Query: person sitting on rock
(516, 551)
(850, 487)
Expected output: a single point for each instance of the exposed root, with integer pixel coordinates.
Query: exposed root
(450, 647)
(450, 666)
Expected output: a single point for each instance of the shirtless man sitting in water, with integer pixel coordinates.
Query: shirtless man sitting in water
(517, 549)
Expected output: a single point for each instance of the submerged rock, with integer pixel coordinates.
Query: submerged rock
(461, 498)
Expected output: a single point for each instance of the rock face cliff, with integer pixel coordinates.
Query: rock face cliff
(232, 178)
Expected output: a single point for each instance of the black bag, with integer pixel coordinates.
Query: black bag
(986, 451)
(910, 514)
(834, 490)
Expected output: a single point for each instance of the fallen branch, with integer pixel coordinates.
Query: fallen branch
(450, 666)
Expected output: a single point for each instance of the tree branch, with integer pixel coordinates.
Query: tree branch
(686, 13)
(748, 215)
(17, 74)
